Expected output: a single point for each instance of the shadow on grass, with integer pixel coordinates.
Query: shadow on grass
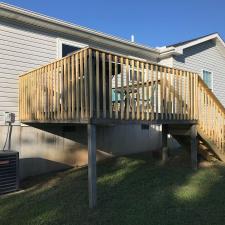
(131, 190)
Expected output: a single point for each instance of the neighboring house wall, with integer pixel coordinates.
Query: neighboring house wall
(205, 56)
(44, 149)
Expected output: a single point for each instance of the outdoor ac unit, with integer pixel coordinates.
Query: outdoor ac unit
(9, 171)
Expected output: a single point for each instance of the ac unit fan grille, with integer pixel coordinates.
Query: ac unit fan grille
(9, 173)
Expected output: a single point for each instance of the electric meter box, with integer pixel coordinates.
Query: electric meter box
(9, 117)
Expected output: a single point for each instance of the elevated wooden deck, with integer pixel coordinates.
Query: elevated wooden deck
(94, 87)
(92, 84)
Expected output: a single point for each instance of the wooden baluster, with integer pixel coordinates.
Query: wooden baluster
(185, 95)
(69, 84)
(191, 95)
(65, 89)
(73, 103)
(138, 91)
(161, 78)
(156, 93)
(152, 93)
(77, 88)
(45, 79)
(122, 89)
(127, 91)
(54, 91)
(178, 94)
(169, 104)
(86, 85)
(175, 94)
(58, 90)
(62, 89)
(34, 95)
(20, 86)
(97, 86)
(147, 92)
(133, 103)
(182, 90)
(116, 88)
(48, 92)
(104, 85)
(91, 83)
(165, 96)
(143, 90)
(81, 78)
(181, 96)
(110, 86)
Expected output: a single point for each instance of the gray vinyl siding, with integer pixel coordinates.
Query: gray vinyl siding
(20, 50)
(208, 57)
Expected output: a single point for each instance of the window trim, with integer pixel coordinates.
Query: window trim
(60, 42)
(211, 75)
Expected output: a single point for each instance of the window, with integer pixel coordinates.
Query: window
(66, 47)
(208, 79)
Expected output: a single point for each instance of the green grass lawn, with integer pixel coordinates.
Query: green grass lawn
(131, 190)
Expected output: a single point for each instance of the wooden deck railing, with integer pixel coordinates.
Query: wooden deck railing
(211, 116)
(95, 84)
(92, 84)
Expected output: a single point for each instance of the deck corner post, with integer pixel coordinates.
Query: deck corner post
(91, 130)
(194, 147)
(164, 143)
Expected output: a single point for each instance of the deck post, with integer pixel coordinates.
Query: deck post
(92, 164)
(164, 143)
(194, 147)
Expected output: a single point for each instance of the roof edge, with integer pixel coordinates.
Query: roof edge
(171, 50)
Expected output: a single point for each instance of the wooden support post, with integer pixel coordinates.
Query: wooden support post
(194, 147)
(164, 143)
(92, 164)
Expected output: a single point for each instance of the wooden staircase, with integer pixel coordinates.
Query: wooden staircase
(211, 125)
(211, 122)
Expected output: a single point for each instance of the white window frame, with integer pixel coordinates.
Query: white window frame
(211, 75)
(60, 42)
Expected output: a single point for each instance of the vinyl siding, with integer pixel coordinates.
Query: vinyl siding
(208, 57)
(20, 50)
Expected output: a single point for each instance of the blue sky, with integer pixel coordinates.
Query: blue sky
(153, 23)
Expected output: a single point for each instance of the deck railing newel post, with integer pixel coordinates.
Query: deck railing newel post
(91, 82)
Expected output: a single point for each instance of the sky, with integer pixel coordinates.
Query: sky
(153, 23)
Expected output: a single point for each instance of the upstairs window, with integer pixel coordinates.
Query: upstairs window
(66, 47)
(208, 78)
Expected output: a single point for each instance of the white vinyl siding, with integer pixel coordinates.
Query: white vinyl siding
(20, 50)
